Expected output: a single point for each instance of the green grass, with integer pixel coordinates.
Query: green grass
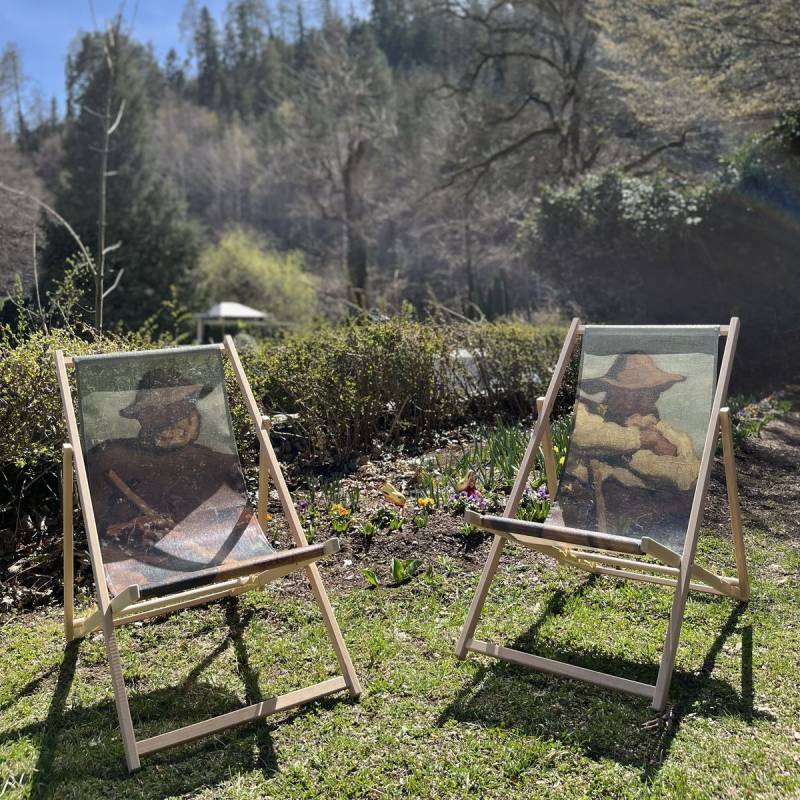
(428, 725)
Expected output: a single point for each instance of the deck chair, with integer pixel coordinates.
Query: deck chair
(629, 503)
(167, 519)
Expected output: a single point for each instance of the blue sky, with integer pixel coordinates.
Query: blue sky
(44, 29)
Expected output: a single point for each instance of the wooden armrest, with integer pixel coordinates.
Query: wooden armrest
(127, 597)
(284, 558)
(300, 556)
(505, 526)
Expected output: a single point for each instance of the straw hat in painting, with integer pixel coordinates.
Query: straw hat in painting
(159, 389)
(633, 372)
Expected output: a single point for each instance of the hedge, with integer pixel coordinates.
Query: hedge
(351, 386)
(344, 391)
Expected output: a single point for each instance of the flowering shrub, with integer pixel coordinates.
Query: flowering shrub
(535, 505)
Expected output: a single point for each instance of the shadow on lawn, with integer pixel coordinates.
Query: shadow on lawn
(603, 723)
(81, 746)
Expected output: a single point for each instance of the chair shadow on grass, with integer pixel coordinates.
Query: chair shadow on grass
(603, 723)
(84, 742)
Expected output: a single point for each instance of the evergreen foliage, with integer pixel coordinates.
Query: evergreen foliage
(157, 245)
(404, 151)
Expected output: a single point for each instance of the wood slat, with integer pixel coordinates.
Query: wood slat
(67, 498)
(521, 481)
(733, 502)
(544, 530)
(695, 520)
(730, 590)
(724, 330)
(273, 705)
(561, 668)
(550, 469)
(293, 521)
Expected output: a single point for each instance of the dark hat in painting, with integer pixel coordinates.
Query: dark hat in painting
(634, 371)
(159, 389)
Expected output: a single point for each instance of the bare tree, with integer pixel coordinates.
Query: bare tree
(109, 118)
(530, 86)
(695, 67)
(19, 217)
(339, 118)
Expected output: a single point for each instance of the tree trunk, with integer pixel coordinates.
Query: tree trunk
(355, 170)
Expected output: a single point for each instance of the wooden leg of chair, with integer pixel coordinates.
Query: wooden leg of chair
(263, 477)
(474, 613)
(733, 503)
(66, 512)
(550, 469)
(334, 633)
(120, 695)
(667, 665)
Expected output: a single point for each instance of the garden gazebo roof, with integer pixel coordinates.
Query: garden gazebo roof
(231, 310)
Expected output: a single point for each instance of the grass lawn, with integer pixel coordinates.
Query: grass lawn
(427, 725)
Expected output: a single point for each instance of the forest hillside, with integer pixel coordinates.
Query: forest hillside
(469, 159)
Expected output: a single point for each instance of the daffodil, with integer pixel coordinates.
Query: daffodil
(561, 461)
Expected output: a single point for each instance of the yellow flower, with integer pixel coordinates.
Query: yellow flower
(424, 502)
(561, 461)
(340, 510)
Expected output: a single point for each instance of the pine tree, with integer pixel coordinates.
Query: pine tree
(245, 41)
(148, 244)
(209, 64)
(174, 75)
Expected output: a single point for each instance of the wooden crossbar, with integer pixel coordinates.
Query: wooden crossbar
(69, 361)
(561, 668)
(273, 705)
(544, 530)
(724, 330)
(128, 610)
(661, 580)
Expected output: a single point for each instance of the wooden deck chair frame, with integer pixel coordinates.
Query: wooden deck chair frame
(598, 553)
(126, 607)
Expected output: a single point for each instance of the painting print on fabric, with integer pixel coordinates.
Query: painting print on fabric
(640, 422)
(168, 491)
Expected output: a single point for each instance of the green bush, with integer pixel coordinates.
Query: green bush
(513, 362)
(243, 268)
(32, 427)
(350, 385)
(353, 388)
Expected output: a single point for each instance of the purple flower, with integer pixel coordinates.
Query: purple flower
(542, 491)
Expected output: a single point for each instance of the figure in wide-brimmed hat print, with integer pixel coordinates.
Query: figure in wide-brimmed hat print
(162, 480)
(621, 452)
